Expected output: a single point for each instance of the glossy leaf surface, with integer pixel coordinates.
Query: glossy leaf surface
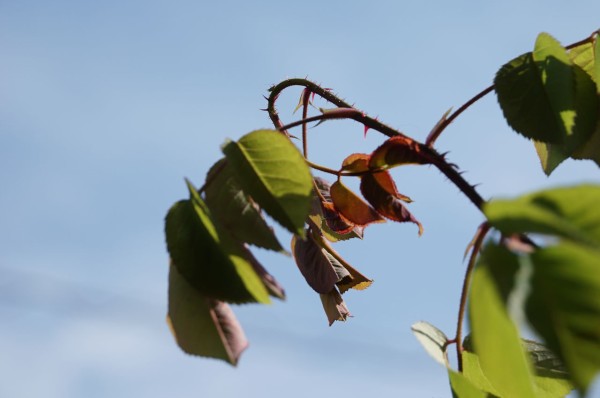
(273, 172)
(202, 326)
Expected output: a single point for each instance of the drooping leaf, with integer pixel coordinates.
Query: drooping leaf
(203, 326)
(433, 340)
(325, 217)
(547, 98)
(571, 213)
(334, 306)
(207, 257)
(271, 284)
(564, 306)
(314, 264)
(386, 201)
(352, 207)
(273, 172)
(397, 151)
(348, 276)
(235, 210)
(495, 337)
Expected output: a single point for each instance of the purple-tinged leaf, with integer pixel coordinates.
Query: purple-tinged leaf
(313, 264)
(334, 306)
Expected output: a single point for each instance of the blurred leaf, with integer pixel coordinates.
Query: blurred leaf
(385, 198)
(235, 210)
(564, 306)
(314, 264)
(207, 257)
(356, 163)
(352, 207)
(583, 56)
(202, 326)
(495, 337)
(334, 306)
(432, 339)
(463, 388)
(472, 371)
(273, 172)
(571, 213)
(397, 151)
(551, 156)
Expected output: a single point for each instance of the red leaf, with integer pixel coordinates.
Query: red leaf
(314, 265)
(333, 219)
(356, 163)
(353, 207)
(396, 151)
(388, 204)
(334, 306)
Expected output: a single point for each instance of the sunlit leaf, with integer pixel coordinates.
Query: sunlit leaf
(432, 339)
(356, 163)
(495, 337)
(352, 207)
(551, 155)
(235, 210)
(348, 276)
(397, 151)
(463, 388)
(571, 213)
(273, 172)
(547, 98)
(472, 371)
(326, 218)
(207, 257)
(334, 306)
(564, 306)
(388, 204)
(203, 326)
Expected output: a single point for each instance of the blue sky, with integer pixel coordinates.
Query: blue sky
(106, 106)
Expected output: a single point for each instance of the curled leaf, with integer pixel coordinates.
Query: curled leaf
(353, 207)
(356, 163)
(386, 201)
(334, 306)
(314, 265)
(397, 151)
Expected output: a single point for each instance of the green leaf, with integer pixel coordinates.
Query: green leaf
(433, 340)
(564, 306)
(596, 70)
(202, 326)
(495, 337)
(547, 98)
(207, 257)
(571, 213)
(273, 172)
(463, 388)
(472, 371)
(235, 210)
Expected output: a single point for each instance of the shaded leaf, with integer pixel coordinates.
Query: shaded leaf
(334, 306)
(550, 155)
(564, 306)
(202, 326)
(235, 210)
(385, 198)
(397, 151)
(352, 207)
(274, 173)
(314, 264)
(571, 213)
(432, 339)
(348, 276)
(207, 257)
(495, 337)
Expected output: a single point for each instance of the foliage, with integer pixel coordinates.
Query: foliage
(542, 268)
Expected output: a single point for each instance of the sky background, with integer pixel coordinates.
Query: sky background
(106, 106)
